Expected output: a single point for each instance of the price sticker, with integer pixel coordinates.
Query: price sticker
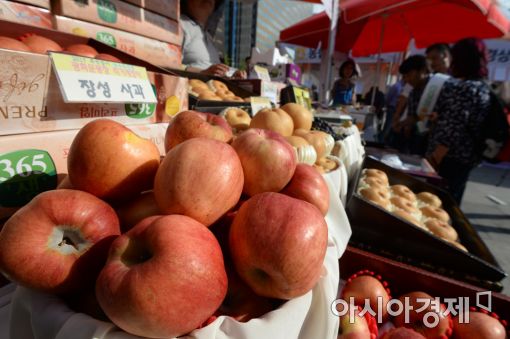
(24, 174)
(259, 103)
(91, 80)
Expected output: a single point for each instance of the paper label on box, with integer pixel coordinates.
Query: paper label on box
(24, 174)
(259, 103)
(262, 73)
(91, 80)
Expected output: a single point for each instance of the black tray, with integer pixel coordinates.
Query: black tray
(376, 229)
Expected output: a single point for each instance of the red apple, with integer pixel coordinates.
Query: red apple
(82, 50)
(108, 57)
(241, 303)
(268, 160)
(58, 242)
(163, 278)
(134, 211)
(416, 319)
(308, 184)
(110, 161)
(278, 244)
(479, 326)
(193, 124)
(402, 333)
(201, 178)
(365, 287)
(353, 327)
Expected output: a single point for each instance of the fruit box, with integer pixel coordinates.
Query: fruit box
(305, 317)
(16, 29)
(168, 8)
(29, 15)
(402, 278)
(39, 106)
(417, 166)
(162, 54)
(38, 3)
(123, 16)
(268, 89)
(377, 230)
(44, 156)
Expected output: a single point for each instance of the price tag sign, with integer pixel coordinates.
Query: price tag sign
(91, 80)
(24, 174)
(259, 103)
(262, 73)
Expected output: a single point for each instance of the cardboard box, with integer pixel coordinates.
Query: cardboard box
(28, 15)
(379, 231)
(46, 154)
(168, 8)
(121, 15)
(262, 88)
(153, 51)
(402, 278)
(37, 3)
(31, 101)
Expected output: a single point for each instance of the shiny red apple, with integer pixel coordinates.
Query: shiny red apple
(479, 326)
(58, 242)
(110, 161)
(193, 124)
(366, 287)
(402, 333)
(163, 278)
(268, 160)
(134, 211)
(278, 244)
(308, 184)
(353, 326)
(201, 178)
(417, 300)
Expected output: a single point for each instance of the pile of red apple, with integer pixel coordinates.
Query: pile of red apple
(365, 285)
(217, 227)
(39, 44)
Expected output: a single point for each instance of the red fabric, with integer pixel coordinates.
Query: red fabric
(427, 21)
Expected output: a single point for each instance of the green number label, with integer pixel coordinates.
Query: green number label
(107, 11)
(140, 111)
(23, 175)
(106, 38)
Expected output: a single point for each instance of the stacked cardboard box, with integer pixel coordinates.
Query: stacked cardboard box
(148, 30)
(28, 15)
(37, 3)
(37, 127)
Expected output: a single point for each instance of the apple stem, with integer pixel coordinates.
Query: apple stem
(67, 241)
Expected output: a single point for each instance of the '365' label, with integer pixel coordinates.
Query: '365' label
(24, 174)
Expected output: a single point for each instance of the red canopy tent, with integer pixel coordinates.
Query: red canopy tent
(427, 21)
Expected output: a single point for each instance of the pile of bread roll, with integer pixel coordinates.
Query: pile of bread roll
(212, 90)
(294, 122)
(422, 209)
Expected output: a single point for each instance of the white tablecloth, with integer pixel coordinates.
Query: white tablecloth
(36, 315)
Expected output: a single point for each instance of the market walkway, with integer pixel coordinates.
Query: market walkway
(486, 204)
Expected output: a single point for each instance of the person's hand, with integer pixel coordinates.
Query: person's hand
(217, 70)
(436, 157)
(239, 74)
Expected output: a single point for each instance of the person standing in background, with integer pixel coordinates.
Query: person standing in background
(462, 106)
(439, 58)
(343, 92)
(414, 73)
(198, 51)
